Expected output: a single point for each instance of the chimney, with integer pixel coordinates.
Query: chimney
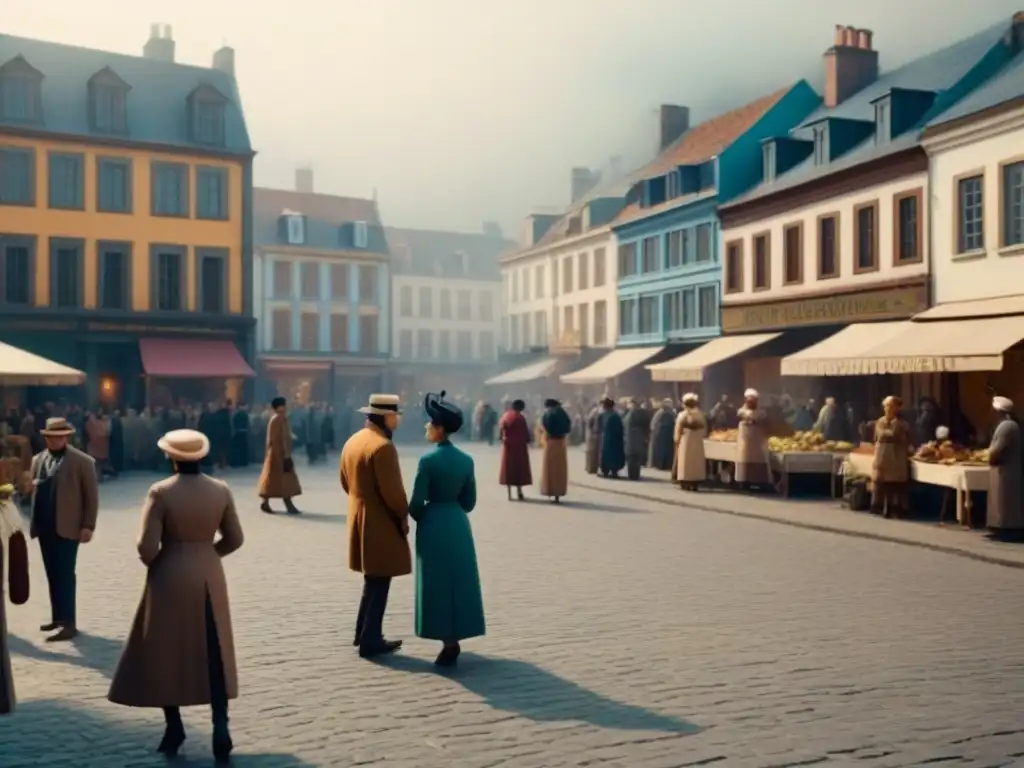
(304, 180)
(160, 45)
(224, 60)
(851, 64)
(674, 122)
(583, 180)
(492, 229)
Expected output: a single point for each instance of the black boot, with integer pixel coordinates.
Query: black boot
(290, 508)
(174, 733)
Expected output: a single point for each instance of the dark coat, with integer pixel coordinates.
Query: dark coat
(663, 448)
(515, 454)
(613, 448)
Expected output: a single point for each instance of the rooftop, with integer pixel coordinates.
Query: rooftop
(324, 214)
(1007, 86)
(427, 252)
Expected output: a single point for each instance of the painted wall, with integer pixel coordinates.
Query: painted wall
(483, 323)
(139, 228)
(979, 148)
(807, 216)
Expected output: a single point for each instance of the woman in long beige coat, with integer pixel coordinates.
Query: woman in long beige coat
(691, 426)
(752, 443)
(181, 650)
(278, 479)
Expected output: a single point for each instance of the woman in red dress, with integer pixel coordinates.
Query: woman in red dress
(515, 456)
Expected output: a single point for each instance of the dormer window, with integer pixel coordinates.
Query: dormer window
(575, 226)
(673, 185)
(296, 228)
(821, 153)
(883, 121)
(768, 159)
(360, 234)
(207, 108)
(21, 92)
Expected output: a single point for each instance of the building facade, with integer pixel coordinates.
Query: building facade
(446, 308)
(125, 218)
(322, 287)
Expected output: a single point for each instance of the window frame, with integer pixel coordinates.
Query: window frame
(155, 167)
(876, 264)
(374, 298)
(959, 240)
(304, 313)
(342, 268)
(100, 83)
(360, 235)
(155, 249)
(222, 255)
(104, 161)
(739, 244)
(289, 335)
(30, 197)
(18, 68)
(30, 243)
(600, 257)
(787, 279)
(299, 220)
(834, 216)
(716, 313)
(78, 160)
(304, 265)
(57, 244)
(373, 317)
(344, 346)
(766, 235)
(222, 174)
(897, 227)
(769, 156)
(883, 119)
(208, 98)
(402, 307)
(103, 247)
(628, 248)
(1004, 202)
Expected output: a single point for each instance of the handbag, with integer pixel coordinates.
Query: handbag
(17, 568)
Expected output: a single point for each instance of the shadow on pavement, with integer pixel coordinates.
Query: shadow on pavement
(604, 507)
(56, 734)
(321, 517)
(99, 654)
(529, 691)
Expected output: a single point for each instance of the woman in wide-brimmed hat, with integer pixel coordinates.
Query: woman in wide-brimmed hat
(449, 602)
(181, 649)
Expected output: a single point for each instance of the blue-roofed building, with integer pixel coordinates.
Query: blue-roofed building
(322, 286)
(835, 233)
(125, 218)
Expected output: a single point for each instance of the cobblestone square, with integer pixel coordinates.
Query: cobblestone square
(621, 632)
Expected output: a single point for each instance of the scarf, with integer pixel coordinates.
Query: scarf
(50, 464)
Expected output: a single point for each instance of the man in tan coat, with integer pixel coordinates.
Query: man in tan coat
(378, 519)
(65, 503)
(278, 479)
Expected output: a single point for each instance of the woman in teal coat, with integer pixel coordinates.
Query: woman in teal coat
(449, 603)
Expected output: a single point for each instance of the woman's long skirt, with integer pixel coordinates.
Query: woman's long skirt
(554, 469)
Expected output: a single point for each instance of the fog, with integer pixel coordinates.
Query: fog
(460, 111)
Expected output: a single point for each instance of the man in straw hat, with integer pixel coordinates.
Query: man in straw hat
(1005, 516)
(278, 479)
(890, 473)
(378, 519)
(65, 503)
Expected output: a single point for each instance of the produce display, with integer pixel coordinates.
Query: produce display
(725, 436)
(807, 442)
(948, 452)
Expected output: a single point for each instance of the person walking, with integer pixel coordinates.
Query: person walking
(514, 433)
(449, 601)
(181, 650)
(554, 463)
(65, 505)
(378, 519)
(278, 479)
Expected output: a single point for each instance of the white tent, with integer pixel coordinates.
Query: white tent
(21, 368)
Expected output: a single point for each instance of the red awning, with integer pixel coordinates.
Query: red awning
(193, 359)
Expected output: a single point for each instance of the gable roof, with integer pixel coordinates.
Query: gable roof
(1006, 87)
(937, 72)
(434, 253)
(324, 215)
(156, 103)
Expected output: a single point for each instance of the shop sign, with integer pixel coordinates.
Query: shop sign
(881, 304)
(568, 342)
(872, 366)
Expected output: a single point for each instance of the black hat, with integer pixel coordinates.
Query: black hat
(518, 405)
(446, 415)
(277, 402)
(607, 402)
(551, 403)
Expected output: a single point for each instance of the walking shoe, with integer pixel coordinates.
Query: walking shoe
(65, 634)
(384, 648)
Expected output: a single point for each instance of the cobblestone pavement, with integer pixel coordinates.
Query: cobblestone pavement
(621, 633)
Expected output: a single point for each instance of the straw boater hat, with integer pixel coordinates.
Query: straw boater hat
(184, 445)
(1001, 404)
(381, 405)
(57, 427)
(690, 397)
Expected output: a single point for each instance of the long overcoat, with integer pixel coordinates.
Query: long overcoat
(554, 468)
(592, 452)
(274, 482)
(613, 451)
(165, 661)
(449, 601)
(752, 447)
(1005, 503)
(892, 451)
(662, 443)
(690, 428)
(377, 507)
(515, 454)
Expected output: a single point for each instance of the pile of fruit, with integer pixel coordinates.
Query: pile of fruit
(947, 452)
(807, 442)
(725, 436)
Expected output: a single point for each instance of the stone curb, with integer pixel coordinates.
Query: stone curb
(767, 518)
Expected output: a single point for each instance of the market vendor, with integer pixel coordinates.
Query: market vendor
(890, 471)
(1005, 516)
(752, 443)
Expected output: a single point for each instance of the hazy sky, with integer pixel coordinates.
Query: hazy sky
(458, 111)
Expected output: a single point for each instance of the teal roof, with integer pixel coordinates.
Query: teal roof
(157, 112)
(1006, 86)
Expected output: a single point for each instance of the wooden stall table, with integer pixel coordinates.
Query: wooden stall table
(718, 452)
(857, 465)
(801, 463)
(960, 478)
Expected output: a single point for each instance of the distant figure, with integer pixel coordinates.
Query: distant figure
(613, 448)
(514, 434)
(1005, 517)
(690, 429)
(890, 471)
(593, 440)
(554, 468)
(752, 443)
(662, 455)
(278, 479)
(637, 425)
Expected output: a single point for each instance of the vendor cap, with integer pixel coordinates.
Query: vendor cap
(1003, 404)
(751, 393)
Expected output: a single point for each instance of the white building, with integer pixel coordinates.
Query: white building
(446, 308)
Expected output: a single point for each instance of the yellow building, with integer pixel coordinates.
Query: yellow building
(125, 206)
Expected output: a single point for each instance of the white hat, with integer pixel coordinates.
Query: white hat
(751, 393)
(942, 433)
(1003, 404)
(184, 445)
(381, 405)
(691, 397)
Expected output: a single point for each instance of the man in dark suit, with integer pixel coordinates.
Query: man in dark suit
(65, 502)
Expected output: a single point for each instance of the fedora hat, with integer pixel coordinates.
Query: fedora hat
(57, 427)
(184, 445)
(381, 405)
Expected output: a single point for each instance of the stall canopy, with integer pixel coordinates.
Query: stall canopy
(531, 372)
(837, 354)
(690, 367)
(193, 359)
(615, 363)
(998, 306)
(20, 368)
